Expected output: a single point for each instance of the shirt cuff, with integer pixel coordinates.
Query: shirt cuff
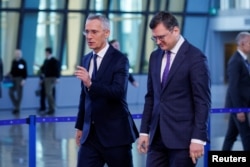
(143, 134)
(197, 141)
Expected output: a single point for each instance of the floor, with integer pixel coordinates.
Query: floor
(55, 145)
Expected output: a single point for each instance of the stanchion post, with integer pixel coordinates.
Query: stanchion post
(32, 140)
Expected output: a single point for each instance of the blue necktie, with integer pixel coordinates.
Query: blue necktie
(95, 66)
(166, 70)
(248, 65)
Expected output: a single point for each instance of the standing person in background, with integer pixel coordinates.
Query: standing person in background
(131, 78)
(18, 73)
(105, 129)
(51, 72)
(42, 92)
(238, 93)
(177, 103)
(1, 76)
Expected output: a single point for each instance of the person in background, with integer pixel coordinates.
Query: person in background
(41, 91)
(1, 76)
(131, 78)
(238, 93)
(177, 103)
(18, 73)
(105, 128)
(50, 71)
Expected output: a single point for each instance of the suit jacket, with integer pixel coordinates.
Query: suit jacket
(1, 76)
(104, 105)
(51, 68)
(181, 108)
(238, 92)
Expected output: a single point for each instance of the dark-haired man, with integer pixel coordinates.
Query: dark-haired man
(51, 72)
(177, 103)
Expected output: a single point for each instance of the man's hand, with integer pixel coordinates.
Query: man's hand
(83, 75)
(78, 137)
(241, 116)
(196, 151)
(143, 143)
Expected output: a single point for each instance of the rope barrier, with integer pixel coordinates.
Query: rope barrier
(73, 118)
(32, 120)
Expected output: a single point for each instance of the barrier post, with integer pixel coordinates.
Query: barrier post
(32, 140)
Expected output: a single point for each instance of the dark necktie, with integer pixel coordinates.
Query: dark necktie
(95, 66)
(166, 70)
(248, 65)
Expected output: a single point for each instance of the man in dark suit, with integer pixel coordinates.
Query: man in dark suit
(177, 103)
(238, 93)
(51, 73)
(1, 76)
(105, 128)
(131, 78)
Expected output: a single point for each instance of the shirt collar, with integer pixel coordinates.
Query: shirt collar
(243, 55)
(177, 45)
(102, 52)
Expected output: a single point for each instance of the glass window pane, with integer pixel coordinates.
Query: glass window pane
(127, 29)
(99, 4)
(77, 4)
(8, 37)
(197, 6)
(158, 5)
(48, 34)
(10, 3)
(196, 34)
(149, 47)
(128, 5)
(52, 4)
(73, 45)
(176, 6)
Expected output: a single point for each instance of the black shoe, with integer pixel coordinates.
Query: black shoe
(41, 112)
(51, 112)
(15, 111)
(41, 109)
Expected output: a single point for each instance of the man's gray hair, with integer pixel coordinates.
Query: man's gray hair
(102, 18)
(241, 37)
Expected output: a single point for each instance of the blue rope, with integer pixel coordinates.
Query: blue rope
(73, 119)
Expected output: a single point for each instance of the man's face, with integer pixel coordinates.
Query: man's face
(17, 54)
(96, 35)
(246, 46)
(116, 45)
(164, 38)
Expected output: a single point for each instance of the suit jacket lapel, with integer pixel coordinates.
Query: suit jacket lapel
(105, 62)
(158, 68)
(179, 59)
(86, 62)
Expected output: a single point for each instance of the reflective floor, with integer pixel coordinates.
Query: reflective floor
(55, 144)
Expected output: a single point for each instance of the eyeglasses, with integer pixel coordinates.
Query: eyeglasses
(160, 37)
(90, 32)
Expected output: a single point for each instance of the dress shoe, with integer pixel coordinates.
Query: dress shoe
(51, 112)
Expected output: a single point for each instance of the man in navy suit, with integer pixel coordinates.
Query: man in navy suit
(1, 76)
(238, 93)
(177, 103)
(105, 128)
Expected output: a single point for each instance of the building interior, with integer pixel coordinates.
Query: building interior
(31, 26)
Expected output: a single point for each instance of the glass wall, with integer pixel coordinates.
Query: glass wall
(34, 25)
